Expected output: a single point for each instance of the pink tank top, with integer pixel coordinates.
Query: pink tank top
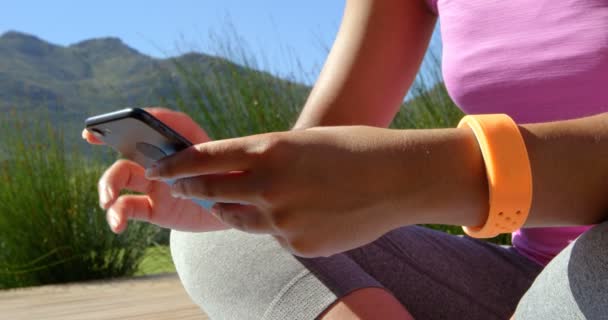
(535, 60)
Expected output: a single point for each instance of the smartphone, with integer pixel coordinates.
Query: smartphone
(139, 137)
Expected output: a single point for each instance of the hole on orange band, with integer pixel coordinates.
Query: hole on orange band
(500, 213)
(518, 212)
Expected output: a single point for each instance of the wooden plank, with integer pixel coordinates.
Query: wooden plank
(150, 298)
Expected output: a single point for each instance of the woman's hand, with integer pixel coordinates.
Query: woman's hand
(318, 191)
(156, 205)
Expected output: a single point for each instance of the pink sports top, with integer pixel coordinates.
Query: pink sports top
(535, 60)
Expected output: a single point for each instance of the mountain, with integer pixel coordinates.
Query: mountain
(84, 78)
(69, 83)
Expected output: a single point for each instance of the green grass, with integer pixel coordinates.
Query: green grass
(51, 227)
(156, 259)
(231, 101)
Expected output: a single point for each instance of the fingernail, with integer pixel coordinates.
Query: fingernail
(114, 221)
(152, 172)
(177, 192)
(104, 197)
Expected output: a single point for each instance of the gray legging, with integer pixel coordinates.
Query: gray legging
(234, 275)
(574, 285)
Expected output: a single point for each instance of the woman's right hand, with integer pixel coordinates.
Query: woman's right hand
(156, 204)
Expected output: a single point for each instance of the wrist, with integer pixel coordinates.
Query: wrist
(449, 176)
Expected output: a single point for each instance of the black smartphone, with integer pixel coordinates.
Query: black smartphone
(137, 135)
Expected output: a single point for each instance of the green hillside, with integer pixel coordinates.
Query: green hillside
(92, 76)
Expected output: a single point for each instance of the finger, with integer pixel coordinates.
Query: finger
(232, 187)
(128, 207)
(201, 159)
(246, 218)
(123, 174)
(90, 138)
(181, 123)
(183, 215)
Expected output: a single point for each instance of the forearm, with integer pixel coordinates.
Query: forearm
(372, 63)
(569, 161)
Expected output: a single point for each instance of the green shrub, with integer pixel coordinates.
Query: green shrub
(230, 100)
(51, 227)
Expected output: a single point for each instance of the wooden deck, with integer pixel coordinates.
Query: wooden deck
(150, 298)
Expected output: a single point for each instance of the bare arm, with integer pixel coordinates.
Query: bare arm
(373, 62)
(370, 180)
(570, 170)
(569, 161)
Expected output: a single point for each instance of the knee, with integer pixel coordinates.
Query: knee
(231, 274)
(573, 284)
(587, 271)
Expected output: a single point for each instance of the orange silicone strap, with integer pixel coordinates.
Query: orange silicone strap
(508, 171)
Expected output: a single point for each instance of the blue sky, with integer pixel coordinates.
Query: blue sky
(275, 32)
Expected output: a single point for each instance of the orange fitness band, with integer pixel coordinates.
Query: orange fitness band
(508, 171)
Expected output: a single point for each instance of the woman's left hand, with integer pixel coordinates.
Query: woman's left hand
(319, 191)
